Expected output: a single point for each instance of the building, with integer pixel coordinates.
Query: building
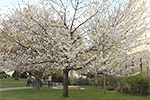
(143, 62)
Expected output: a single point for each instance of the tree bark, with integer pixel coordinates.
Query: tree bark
(65, 83)
(104, 83)
(37, 83)
(37, 80)
(16, 75)
(96, 80)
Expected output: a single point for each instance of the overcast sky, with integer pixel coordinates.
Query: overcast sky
(9, 2)
(4, 3)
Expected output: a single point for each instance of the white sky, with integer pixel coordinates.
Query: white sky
(9, 2)
(4, 3)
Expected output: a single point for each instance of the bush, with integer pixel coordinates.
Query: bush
(2, 72)
(56, 78)
(138, 84)
(110, 80)
(79, 81)
(23, 75)
(82, 81)
(126, 89)
(118, 89)
(110, 88)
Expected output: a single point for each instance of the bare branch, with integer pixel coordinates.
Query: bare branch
(74, 16)
(83, 23)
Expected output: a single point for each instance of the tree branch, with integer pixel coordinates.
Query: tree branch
(83, 23)
(75, 68)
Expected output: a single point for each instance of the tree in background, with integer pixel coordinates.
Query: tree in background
(27, 50)
(117, 35)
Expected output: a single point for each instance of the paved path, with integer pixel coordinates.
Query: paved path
(15, 88)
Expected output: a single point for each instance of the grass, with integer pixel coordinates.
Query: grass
(10, 82)
(90, 93)
(10, 85)
(13, 80)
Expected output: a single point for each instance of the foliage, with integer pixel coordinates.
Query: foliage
(73, 80)
(138, 84)
(115, 41)
(2, 72)
(56, 78)
(80, 81)
(23, 75)
(110, 80)
(118, 89)
(110, 88)
(83, 81)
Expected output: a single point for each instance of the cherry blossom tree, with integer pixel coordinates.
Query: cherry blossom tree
(44, 36)
(119, 36)
(59, 34)
(29, 41)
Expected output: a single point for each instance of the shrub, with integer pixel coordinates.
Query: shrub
(2, 72)
(23, 75)
(126, 89)
(138, 84)
(82, 81)
(118, 89)
(56, 78)
(110, 88)
(73, 80)
(110, 80)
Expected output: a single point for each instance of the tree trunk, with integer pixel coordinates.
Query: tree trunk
(37, 80)
(104, 83)
(96, 81)
(65, 83)
(16, 75)
(37, 83)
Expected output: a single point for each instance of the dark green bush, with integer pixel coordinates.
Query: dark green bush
(110, 88)
(56, 78)
(110, 80)
(2, 72)
(82, 81)
(23, 75)
(125, 89)
(118, 89)
(138, 84)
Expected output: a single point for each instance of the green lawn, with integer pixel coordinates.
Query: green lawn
(10, 85)
(10, 82)
(90, 93)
